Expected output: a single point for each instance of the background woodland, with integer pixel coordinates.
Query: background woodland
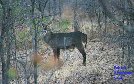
(109, 25)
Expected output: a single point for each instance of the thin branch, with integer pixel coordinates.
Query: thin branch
(1, 2)
(42, 4)
(45, 3)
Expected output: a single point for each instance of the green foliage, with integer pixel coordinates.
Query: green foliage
(45, 20)
(12, 73)
(22, 35)
(64, 24)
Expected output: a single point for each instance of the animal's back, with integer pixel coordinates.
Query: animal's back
(67, 39)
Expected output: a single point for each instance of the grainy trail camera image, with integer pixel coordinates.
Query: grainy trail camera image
(66, 41)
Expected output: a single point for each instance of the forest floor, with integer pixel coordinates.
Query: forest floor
(99, 68)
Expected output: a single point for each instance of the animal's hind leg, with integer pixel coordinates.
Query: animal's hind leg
(82, 51)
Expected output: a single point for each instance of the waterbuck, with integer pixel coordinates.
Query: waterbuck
(70, 40)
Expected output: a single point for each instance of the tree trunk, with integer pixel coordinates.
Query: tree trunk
(7, 24)
(75, 22)
(35, 42)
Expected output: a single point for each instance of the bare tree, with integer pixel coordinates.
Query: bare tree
(126, 24)
(7, 26)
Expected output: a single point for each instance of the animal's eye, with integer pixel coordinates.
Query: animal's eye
(44, 31)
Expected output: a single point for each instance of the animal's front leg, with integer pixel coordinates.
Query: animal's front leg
(56, 54)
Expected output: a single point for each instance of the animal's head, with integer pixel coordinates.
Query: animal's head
(47, 35)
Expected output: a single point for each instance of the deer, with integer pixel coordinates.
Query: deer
(64, 41)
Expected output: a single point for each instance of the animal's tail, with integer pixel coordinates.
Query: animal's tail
(84, 39)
